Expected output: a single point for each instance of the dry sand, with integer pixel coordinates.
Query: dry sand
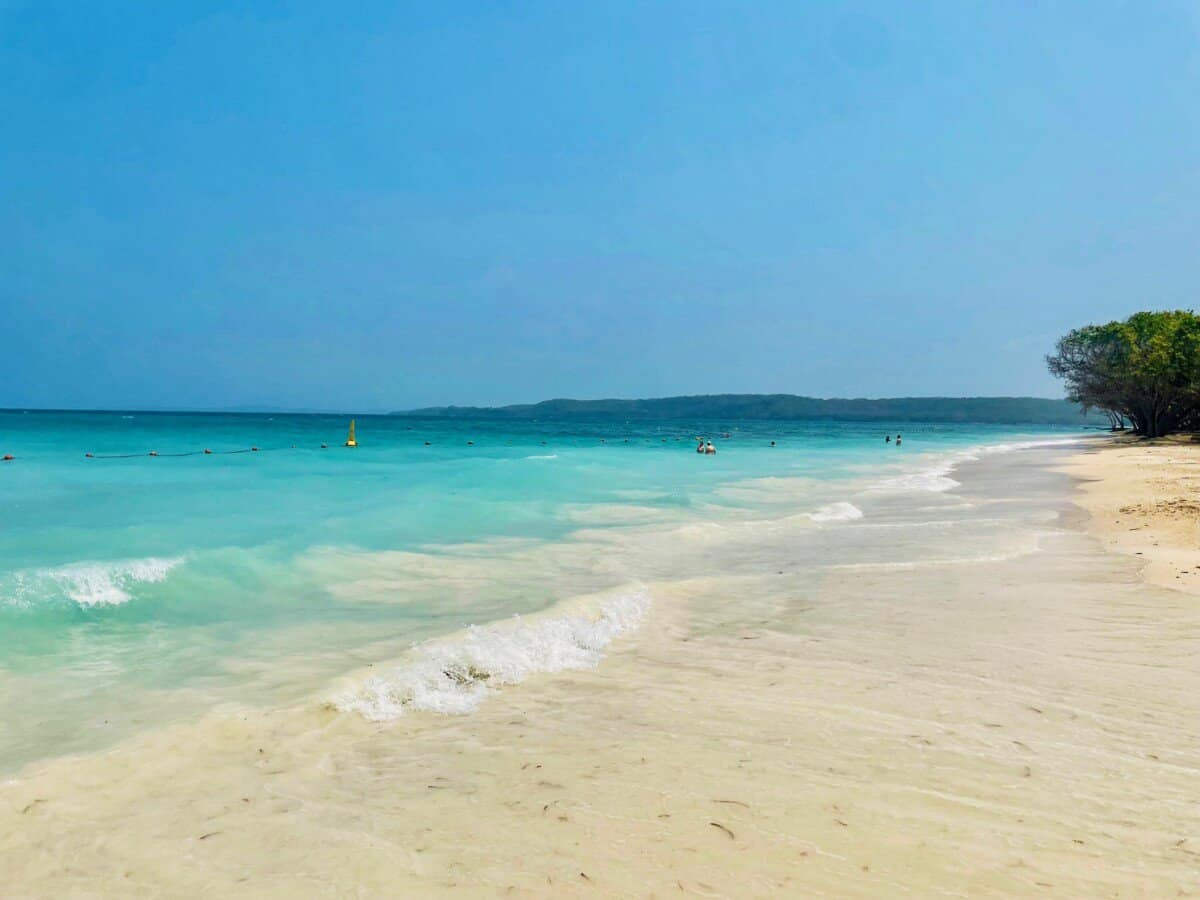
(1144, 500)
(1021, 725)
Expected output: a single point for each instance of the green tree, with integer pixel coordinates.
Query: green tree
(1146, 369)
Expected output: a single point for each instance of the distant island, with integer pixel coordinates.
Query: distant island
(984, 410)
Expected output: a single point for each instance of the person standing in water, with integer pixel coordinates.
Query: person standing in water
(897, 440)
(887, 439)
(710, 448)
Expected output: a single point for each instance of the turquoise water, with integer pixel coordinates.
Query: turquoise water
(138, 590)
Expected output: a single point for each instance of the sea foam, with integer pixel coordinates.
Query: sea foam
(836, 512)
(87, 584)
(936, 477)
(454, 675)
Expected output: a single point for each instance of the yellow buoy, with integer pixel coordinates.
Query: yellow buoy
(350, 441)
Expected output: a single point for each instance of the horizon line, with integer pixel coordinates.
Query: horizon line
(266, 410)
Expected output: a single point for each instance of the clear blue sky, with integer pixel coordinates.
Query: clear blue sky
(384, 205)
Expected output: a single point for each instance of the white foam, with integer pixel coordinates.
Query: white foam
(836, 512)
(90, 584)
(1030, 545)
(454, 675)
(937, 478)
(542, 456)
(934, 523)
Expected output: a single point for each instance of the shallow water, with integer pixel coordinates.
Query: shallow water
(135, 591)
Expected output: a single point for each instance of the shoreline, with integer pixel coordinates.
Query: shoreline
(991, 728)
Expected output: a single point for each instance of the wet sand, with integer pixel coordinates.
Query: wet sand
(1004, 708)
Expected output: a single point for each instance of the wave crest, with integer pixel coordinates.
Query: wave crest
(87, 584)
(454, 676)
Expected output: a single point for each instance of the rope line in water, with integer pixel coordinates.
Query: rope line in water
(205, 452)
(8, 457)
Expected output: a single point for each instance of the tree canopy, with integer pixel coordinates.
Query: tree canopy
(1145, 369)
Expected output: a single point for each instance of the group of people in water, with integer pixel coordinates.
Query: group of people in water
(888, 440)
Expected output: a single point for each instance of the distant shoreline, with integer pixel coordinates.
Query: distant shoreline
(788, 407)
(706, 407)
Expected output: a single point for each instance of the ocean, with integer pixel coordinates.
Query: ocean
(138, 590)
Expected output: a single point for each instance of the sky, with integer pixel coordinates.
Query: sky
(386, 205)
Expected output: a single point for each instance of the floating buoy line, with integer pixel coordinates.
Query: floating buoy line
(351, 442)
(204, 452)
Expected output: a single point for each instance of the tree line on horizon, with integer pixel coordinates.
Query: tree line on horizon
(1144, 370)
(785, 407)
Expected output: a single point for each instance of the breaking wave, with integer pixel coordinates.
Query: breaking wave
(86, 584)
(455, 675)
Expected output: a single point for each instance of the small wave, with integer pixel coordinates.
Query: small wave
(615, 513)
(836, 512)
(1029, 547)
(934, 523)
(87, 584)
(936, 478)
(454, 676)
(542, 456)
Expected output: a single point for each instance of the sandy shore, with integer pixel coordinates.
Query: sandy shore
(1144, 500)
(1016, 723)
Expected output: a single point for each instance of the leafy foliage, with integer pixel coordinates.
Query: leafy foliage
(1145, 369)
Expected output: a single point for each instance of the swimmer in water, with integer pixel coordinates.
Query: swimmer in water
(897, 440)
(887, 439)
(710, 448)
(700, 446)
